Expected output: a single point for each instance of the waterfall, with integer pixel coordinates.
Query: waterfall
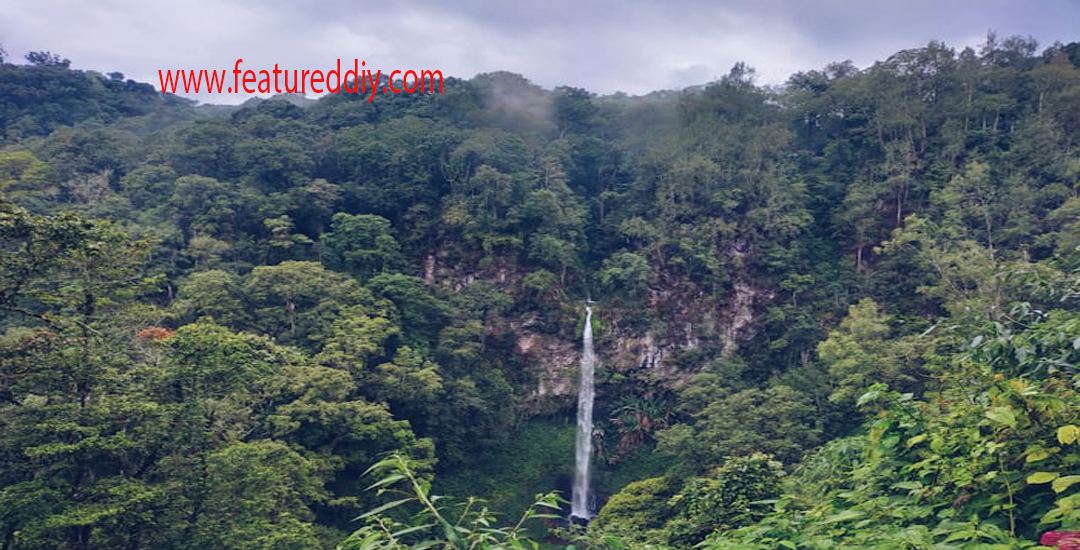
(580, 503)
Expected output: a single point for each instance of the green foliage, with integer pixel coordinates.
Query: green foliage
(973, 467)
(24, 177)
(256, 497)
(148, 185)
(862, 352)
(295, 301)
(437, 522)
(542, 287)
(214, 293)
(659, 511)
(626, 273)
(735, 495)
(639, 511)
(422, 313)
(1037, 345)
(632, 426)
(777, 420)
(37, 99)
(362, 244)
(536, 457)
(198, 437)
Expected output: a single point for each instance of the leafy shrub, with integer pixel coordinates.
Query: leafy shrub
(639, 511)
(737, 494)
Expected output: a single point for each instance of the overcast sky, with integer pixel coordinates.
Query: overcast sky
(604, 46)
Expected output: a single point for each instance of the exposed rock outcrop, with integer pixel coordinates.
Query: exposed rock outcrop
(684, 320)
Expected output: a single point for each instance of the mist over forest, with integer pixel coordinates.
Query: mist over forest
(838, 313)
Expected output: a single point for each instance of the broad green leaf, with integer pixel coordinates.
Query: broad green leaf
(1062, 483)
(413, 529)
(917, 439)
(388, 480)
(868, 397)
(1002, 415)
(908, 485)
(1036, 454)
(613, 542)
(1068, 434)
(1051, 517)
(844, 515)
(1042, 477)
(383, 508)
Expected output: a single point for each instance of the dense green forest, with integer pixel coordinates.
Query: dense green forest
(838, 313)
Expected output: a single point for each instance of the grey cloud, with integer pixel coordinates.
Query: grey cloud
(604, 46)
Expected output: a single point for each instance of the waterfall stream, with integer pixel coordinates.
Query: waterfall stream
(580, 504)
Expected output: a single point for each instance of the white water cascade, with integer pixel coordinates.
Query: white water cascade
(580, 503)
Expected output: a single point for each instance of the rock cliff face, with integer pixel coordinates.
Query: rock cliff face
(689, 329)
(553, 363)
